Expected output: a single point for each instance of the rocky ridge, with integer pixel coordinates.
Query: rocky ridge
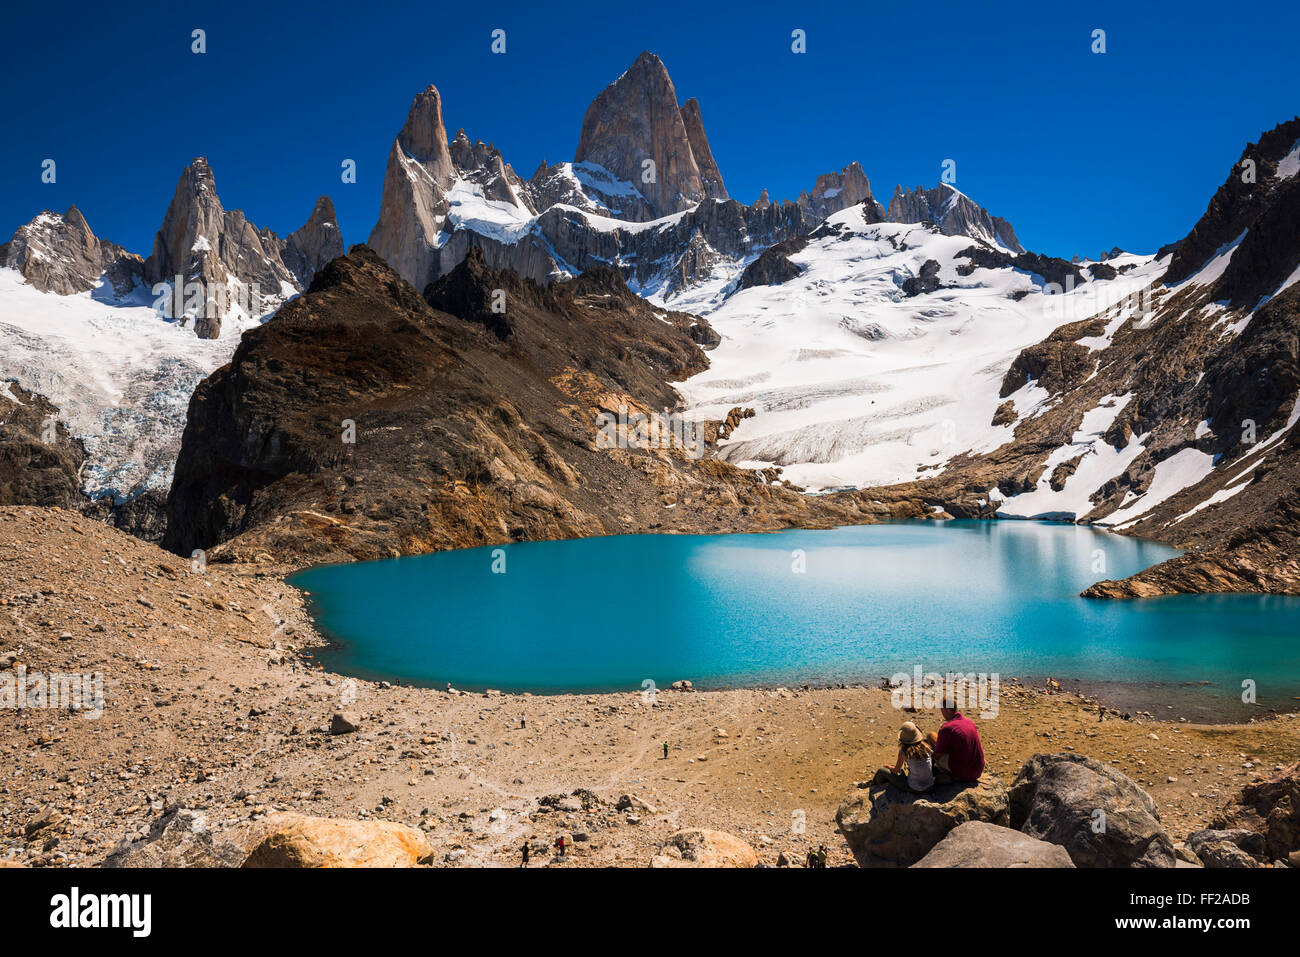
(467, 425)
(60, 254)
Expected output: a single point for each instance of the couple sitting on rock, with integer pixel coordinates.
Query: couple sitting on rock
(954, 755)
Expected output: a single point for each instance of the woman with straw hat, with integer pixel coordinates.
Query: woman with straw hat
(914, 751)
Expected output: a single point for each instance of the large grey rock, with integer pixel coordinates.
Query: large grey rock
(1098, 814)
(887, 827)
(1237, 848)
(1270, 807)
(976, 844)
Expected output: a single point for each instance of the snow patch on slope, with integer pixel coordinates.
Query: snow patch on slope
(861, 384)
(120, 374)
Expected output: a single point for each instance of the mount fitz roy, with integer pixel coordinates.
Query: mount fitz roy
(908, 359)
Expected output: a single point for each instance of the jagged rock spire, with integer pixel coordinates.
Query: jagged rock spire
(315, 243)
(710, 175)
(414, 204)
(635, 119)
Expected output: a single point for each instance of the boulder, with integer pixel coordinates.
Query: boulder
(294, 840)
(630, 802)
(701, 847)
(887, 827)
(344, 722)
(1098, 814)
(976, 844)
(1270, 807)
(48, 819)
(180, 838)
(1237, 848)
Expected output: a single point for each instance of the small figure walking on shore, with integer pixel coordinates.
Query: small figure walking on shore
(665, 750)
(524, 853)
(523, 722)
(559, 845)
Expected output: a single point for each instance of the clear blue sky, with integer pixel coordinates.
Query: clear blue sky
(1079, 151)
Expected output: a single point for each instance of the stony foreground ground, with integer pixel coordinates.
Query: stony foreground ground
(212, 701)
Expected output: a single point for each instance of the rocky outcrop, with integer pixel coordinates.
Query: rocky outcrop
(1064, 274)
(363, 423)
(40, 463)
(926, 280)
(295, 841)
(702, 847)
(1237, 205)
(316, 242)
(977, 844)
(888, 827)
(1099, 815)
(60, 254)
(954, 213)
(635, 121)
(773, 266)
(1054, 365)
(1270, 808)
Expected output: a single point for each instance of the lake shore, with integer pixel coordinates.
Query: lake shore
(209, 703)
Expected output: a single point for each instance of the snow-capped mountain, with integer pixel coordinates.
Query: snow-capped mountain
(61, 254)
(643, 193)
(871, 352)
(116, 344)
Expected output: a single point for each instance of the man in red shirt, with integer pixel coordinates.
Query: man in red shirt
(958, 741)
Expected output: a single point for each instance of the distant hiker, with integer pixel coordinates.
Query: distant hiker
(559, 845)
(958, 752)
(810, 859)
(523, 722)
(524, 852)
(914, 751)
(821, 855)
(665, 750)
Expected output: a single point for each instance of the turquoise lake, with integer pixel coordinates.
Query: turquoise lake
(605, 614)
